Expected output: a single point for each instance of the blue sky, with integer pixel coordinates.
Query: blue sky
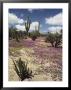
(50, 19)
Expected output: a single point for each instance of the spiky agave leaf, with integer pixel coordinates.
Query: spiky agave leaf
(16, 68)
(22, 70)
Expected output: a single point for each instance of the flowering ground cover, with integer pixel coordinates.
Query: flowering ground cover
(44, 61)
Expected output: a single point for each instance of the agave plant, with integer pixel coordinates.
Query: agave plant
(22, 70)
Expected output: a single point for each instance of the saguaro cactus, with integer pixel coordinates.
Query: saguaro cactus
(27, 25)
(37, 29)
(38, 26)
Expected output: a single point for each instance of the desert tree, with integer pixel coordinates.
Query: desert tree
(54, 38)
(58, 38)
(50, 38)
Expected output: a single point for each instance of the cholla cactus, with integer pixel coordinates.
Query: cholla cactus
(27, 25)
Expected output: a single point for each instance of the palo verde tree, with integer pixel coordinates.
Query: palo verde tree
(58, 38)
(54, 38)
(50, 38)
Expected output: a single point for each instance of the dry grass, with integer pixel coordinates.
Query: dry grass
(44, 61)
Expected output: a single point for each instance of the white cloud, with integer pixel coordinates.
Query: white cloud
(20, 21)
(55, 20)
(30, 10)
(20, 27)
(13, 19)
(34, 26)
(54, 29)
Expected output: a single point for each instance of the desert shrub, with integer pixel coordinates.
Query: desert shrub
(54, 38)
(34, 35)
(17, 36)
(34, 38)
(58, 39)
(50, 38)
(22, 70)
(14, 34)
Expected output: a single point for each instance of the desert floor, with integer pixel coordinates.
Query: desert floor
(44, 61)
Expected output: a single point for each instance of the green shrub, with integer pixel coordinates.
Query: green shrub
(50, 38)
(58, 39)
(22, 70)
(34, 38)
(54, 38)
(34, 35)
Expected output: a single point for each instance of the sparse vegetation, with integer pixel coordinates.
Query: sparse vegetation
(50, 38)
(14, 34)
(34, 35)
(54, 38)
(42, 61)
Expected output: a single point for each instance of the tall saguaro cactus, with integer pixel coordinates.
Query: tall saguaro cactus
(27, 25)
(38, 28)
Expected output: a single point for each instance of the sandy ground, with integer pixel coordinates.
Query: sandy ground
(45, 61)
